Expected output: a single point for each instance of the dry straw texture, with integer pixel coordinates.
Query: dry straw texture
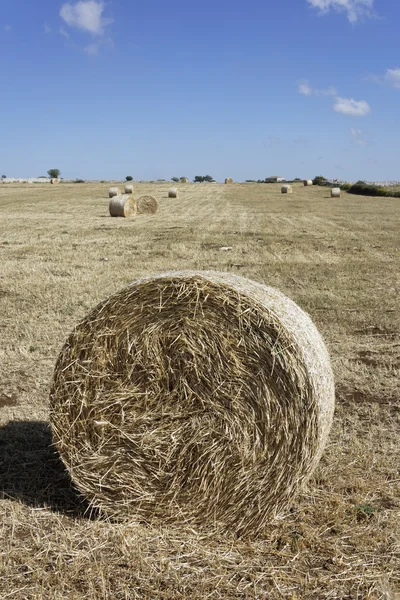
(54, 181)
(286, 189)
(122, 206)
(228, 180)
(335, 193)
(307, 182)
(128, 189)
(184, 180)
(193, 397)
(173, 193)
(113, 191)
(146, 205)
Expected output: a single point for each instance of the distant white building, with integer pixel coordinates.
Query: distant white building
(275, 179)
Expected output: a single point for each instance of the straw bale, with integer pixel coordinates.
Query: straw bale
(307, 182)
(198, 398)
(128, 189)
(173, 193)
(228, 180)
(113, 191)
(54, 181)
(122, 206)
(335, 193)
(146, 205)
(286, 189)
(184, 180)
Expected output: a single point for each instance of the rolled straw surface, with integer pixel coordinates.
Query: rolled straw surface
(286, 189)
(193, 397)
(146, 205)
(307, 182)
(128, 189)
(113, 191)
(173, 193)
(228, 180)
(335, 193)
(122, 206)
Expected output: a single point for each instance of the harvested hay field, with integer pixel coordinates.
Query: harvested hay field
(61, 254)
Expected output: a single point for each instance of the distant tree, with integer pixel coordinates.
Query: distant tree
(54, 173)
(160, 179)
(319, 180)
(42, 177)
(129, 178)
(176, 179)
(4, 176)
(202, 178)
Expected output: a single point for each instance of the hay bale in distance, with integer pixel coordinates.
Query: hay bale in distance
(228, 180)
(172, 193)
(113, 191)
(286, 189)
(146, 205)
(307, 182)
(122, 206)
(184, 180)
(54, 181)
(335, 193)
(193, 397)
(128, 189)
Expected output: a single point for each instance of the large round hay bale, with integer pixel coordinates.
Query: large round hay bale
(307, 182)
(128, 189)
(193, 397)
(286, 189)
(335, 193)
(122, 206)
(146, 205)
(173, 193)
(184, 180)
(113, 191)
(54, 181)
(228, 180)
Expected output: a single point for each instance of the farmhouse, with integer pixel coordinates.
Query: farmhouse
(275, 179)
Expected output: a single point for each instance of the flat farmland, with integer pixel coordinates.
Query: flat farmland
(339, 259)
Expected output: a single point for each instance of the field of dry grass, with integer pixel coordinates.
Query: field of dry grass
(60, 254)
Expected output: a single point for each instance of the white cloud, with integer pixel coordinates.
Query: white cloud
(46, 28)
(306, 90)
(64, 33)
(354, 108)
(7, 28)
(358, 136)
(355, 9)
(85, 15)
(392, 77)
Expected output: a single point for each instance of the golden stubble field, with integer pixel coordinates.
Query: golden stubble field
(60, 254)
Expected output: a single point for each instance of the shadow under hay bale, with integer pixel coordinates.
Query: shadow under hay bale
(31, 470)
(193, 397)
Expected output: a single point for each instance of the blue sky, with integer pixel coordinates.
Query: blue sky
(158, 89)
